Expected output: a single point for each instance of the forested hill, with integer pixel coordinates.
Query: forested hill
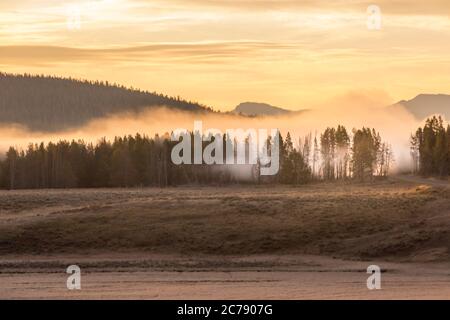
(50, 103)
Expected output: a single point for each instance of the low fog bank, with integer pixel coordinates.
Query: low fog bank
(395, 126)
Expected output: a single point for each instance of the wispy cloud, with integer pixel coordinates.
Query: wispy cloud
(286, 52)
(206, 52)
(407, 7)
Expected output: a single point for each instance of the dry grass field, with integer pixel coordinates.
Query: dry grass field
(394, 220)
(207, 232)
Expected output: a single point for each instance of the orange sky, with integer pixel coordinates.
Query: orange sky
(291, 53)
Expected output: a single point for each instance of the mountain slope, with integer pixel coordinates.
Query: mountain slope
(425, 105)
(49, 103)
(259, 109)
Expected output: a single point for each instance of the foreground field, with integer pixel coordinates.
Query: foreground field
(313, 241)
(393, 220)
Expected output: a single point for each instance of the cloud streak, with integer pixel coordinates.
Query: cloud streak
(284, 52)
(400, 7)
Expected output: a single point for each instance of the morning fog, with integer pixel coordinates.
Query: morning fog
(235, 147)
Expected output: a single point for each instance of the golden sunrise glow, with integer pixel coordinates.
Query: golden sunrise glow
(294, 54)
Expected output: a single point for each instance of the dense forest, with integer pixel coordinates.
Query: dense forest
(430, 148)
(138, 160)
(48, 103)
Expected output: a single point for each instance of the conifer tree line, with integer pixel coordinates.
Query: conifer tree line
(430, 148)
(141, 161)
(337, 154)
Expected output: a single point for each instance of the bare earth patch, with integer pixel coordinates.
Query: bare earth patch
(137, 276)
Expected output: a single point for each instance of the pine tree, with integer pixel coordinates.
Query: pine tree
(430, 148)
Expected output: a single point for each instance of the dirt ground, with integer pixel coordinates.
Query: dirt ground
(257, 242)
(118, 276)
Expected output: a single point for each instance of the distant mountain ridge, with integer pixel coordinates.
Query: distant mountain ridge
(44, 103)
(421, 107)
(425, 105)
(50, 103)
(259, 109)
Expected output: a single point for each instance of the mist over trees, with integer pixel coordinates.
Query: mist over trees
(371, 156)
(49, 103)
(141, 161)
(341, 155)
(430, 148)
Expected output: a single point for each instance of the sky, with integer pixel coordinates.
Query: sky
(290, 53)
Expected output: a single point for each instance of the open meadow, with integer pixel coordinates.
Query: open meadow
(243, 241)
